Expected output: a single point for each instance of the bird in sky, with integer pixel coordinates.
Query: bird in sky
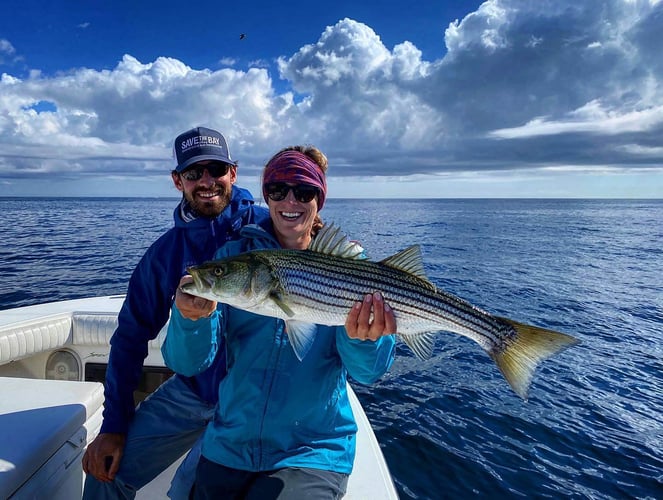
(242, 36)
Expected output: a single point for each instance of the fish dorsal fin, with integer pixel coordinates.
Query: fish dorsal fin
(409, 261)
(332, 241)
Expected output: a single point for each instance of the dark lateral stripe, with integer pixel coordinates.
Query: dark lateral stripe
(334, 283)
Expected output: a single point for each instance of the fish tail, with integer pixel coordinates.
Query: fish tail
(525, 350)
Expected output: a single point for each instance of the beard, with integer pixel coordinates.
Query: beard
(212, 207)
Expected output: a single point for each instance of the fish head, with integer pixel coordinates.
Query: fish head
(241, 280)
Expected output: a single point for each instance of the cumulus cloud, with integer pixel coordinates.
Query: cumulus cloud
(522, 84)
(128, 114)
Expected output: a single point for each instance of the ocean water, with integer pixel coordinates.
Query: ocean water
(451, 427)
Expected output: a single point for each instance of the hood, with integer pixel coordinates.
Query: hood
(262, 234)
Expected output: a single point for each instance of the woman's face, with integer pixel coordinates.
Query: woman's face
(292, 216)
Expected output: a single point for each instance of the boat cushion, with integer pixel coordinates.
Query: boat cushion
(43, 419)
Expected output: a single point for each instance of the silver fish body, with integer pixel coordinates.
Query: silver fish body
(320, 285)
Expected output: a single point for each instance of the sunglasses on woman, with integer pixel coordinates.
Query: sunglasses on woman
(215, 170)
(277, 191)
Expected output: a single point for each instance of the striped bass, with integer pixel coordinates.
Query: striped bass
(319, 285)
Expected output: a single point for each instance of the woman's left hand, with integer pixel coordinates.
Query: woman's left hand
(359, 325)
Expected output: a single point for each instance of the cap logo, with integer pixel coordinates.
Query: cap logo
(201, 140)
(200, 144)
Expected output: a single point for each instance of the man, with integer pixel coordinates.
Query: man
(136, 445)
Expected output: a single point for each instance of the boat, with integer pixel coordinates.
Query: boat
(52, 363)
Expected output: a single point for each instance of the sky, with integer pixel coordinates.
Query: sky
(418, 99)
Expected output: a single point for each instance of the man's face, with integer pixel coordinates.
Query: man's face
(208, 195)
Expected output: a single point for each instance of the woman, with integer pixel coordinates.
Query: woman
(283, 428)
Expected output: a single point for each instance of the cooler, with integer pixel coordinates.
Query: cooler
(45, 426)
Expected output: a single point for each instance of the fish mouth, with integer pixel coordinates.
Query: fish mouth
(199, 282)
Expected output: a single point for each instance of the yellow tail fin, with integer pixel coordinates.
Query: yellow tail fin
(530, 346)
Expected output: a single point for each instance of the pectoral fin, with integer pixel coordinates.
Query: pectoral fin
(278, 300)
(301, 336)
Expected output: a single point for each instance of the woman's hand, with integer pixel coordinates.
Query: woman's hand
(359, 325)
(190, 306)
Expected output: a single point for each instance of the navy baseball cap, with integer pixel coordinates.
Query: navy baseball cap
(200, 144)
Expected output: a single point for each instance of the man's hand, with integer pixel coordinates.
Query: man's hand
(103, 455)
(190, 306)
(359, 325)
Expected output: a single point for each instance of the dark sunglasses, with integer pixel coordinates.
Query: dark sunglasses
(214, 169)
(304, 193)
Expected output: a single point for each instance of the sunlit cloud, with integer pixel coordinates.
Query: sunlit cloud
(523, 88)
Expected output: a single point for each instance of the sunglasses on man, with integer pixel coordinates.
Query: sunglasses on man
(277, 191)
(215, 170)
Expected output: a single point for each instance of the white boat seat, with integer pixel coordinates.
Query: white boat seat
(30, 337)
(97, 329)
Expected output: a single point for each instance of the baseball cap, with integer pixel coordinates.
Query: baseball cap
(200, 144)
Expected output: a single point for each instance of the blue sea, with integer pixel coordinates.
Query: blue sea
(451, 427)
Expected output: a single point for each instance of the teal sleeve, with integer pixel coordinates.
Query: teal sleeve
(190, 346)
(366, 360)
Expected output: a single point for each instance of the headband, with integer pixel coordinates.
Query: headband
(295, 167)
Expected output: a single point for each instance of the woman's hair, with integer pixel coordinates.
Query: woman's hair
(318, 157)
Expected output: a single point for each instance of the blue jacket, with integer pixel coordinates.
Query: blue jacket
(275, 411)
(150, 296)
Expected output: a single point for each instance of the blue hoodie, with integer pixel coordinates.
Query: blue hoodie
(275, 411)
(149, 298)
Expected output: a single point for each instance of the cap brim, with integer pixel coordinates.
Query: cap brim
(196, 159)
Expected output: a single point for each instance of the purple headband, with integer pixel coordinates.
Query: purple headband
(293, 166)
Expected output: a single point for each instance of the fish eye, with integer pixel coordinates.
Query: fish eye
(218, 271)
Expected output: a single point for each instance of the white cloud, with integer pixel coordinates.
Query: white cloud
(227, 61)
(6, 47)
(523, 85)
(361, 96)
(7, 51)
(132, 112)
(591, 118)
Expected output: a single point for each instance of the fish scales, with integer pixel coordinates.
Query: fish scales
(346, 283)
(311, 276)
